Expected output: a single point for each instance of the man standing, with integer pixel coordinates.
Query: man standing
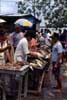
(63, 39)
(16, 36)
(22, 50)
(56, 59)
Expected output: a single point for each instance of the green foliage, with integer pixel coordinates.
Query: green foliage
(56, 17)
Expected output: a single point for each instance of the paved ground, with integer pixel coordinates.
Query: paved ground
(48, 93)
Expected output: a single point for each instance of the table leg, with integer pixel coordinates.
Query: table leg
(4, 94)
(26, 85)
(20, 88)
(41, 82)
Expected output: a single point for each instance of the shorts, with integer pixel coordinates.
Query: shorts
(56, 71)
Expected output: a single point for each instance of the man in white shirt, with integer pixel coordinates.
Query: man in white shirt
(22, 50)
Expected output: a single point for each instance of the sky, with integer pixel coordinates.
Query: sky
(10, 6)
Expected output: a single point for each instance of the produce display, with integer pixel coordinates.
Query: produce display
(40, 62)
(9, 66)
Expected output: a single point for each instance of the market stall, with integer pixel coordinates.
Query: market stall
(40, 68)
(34, 73)
(13, 72)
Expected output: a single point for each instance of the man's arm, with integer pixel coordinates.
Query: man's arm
(3, 49)
(9, 57)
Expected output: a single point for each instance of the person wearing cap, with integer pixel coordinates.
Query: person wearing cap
(56, 59)
(16, 36)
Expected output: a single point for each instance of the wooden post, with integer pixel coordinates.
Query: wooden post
(26, 85)
(20, 88)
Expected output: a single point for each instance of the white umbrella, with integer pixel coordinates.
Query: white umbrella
(24, 22)
(2, 21)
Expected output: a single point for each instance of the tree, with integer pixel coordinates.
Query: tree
(55, 11)
(59, 13)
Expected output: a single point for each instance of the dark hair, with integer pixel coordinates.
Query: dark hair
(48, 31)
(65, 31)
(60, 30)
(55, 35)
(2, 32)
(41, 30)
(30, 34)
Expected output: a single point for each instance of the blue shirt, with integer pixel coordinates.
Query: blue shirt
(57, 48)
(15, 38)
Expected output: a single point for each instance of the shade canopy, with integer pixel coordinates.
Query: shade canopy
(24, 22)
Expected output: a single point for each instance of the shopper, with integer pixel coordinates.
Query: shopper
(56, 58)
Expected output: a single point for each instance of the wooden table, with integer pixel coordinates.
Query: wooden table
(23, 71)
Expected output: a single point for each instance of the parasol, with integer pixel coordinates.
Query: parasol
(2, 21)
(24, 23)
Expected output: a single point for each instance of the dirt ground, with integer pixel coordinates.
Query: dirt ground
(48, 93)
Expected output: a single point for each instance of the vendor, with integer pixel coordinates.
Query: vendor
(33, 42)
(4, 48)
(22, 50)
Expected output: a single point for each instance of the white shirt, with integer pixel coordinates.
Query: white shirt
(21, 50)
(57, 48)
(47, 39)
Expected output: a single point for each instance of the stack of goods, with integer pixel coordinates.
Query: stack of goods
(41, 61)
(45, 51)
(9, 66)
(65, 69)
(38, 63)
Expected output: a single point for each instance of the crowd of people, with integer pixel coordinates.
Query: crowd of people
(17, 46)
(58, 45)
